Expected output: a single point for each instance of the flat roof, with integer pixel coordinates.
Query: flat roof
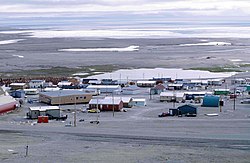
(44, 108)
(124, 99)
(17, 84)
(103, 86)
(61, 93)
(105, 101)
(139, 99)
(146, 82)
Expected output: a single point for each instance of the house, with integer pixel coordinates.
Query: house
(172, 96)
(109, 82)
(179, 97)
(50, 89)
(127, 101)
(106, 88)
(238, 81)
(64, 83)
(131, 90)
(157, 89)
(36, 84)
(167, 96)
(187, 109)
(16, 86)
(146, 83)
(211, 101)
(64, 97)
(175, 86)
(108, 104)
(139, 102)
(195, 95)
(17, 93)
(31, 91)
(215, 82)
(51, 111)
(162, 79)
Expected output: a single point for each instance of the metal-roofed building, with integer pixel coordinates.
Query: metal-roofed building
(146, 83)
(16, 86)
(108, 104)
(106, 88)
(51, 111)
(64, 97)
(127, 101)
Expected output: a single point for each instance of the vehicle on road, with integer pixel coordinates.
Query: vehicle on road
(93, 111)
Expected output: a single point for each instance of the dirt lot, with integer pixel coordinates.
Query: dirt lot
(137, 135)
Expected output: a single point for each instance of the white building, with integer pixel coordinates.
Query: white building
(131, 90)
(146, 83)
(51, 111)
(106, 88)
(139, 102)
(31, 91)
(36, 83)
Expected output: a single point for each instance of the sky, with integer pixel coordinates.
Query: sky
(192, 8)
(98, 14)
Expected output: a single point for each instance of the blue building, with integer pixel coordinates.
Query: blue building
(187, 109)
(211, 101)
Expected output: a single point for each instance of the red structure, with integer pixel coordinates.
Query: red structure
(106, 104)
(43, 119)
(7, 104)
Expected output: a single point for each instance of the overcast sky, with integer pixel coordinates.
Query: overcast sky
(239, 8)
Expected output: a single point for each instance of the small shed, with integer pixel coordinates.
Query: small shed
(139, 102)
(211, 101)
(187, 109)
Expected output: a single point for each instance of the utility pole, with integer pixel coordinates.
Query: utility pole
(113, 104)
(220, 104)
(234, 97)
(75, 114)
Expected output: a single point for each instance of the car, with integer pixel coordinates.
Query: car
(97, 122)
(245, 101)
(163, 114)
(93, 111)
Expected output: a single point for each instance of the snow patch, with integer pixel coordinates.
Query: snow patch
(126, 49)
(208, 44)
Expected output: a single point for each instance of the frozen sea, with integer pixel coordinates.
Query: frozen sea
(30, 43)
